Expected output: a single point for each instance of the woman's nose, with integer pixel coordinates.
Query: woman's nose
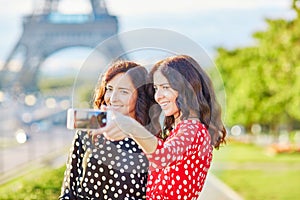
(114, 96)
(158, 94)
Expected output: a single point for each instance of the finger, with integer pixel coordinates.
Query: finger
(95, 138)
(89, 133)
(95, 134)
(103, 108)
(111, 116)
(107, 136)
(111, 111)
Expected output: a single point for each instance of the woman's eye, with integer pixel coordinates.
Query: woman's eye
(124, 91)
(166, 87)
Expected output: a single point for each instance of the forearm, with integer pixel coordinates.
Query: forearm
(120, 126)
(147, 144)
(146, 140)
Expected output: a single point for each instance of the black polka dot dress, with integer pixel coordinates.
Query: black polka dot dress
(105, 170)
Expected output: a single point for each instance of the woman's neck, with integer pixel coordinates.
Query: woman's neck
(177, 119)
(192, 116)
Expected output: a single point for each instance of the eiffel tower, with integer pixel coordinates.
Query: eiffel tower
(46, 31)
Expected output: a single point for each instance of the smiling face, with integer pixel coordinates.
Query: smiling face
(165, 96)
(121, 94)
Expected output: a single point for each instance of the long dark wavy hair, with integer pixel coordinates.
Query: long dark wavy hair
(195, 94)
(138, 75)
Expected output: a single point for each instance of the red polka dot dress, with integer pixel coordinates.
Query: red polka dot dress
(179, 165)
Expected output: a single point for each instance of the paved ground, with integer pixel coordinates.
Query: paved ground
(54, 147)
(214, 189)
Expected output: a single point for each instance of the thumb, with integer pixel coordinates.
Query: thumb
(110, 115)
(103, 108)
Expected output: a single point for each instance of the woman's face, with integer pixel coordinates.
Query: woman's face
(165, 96)
(121, 95)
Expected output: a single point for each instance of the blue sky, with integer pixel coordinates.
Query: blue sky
(214, 23)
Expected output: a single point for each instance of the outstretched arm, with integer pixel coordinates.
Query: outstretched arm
(120, 126)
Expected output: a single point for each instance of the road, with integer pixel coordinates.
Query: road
(41, 148)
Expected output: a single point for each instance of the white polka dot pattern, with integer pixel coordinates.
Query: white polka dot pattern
(113, 170)
(179, 166)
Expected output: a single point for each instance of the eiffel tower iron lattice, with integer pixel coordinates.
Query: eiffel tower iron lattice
(46, 31)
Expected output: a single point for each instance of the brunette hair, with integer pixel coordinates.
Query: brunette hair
(187, 77)
(138, 76)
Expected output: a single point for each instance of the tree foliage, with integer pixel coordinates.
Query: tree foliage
(262, 82)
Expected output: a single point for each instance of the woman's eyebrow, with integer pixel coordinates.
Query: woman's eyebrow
(124, 88)
(119, 88)
(161, 84)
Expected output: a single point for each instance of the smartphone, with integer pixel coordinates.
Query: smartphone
(85, 119)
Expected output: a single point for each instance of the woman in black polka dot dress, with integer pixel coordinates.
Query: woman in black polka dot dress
(104, 169)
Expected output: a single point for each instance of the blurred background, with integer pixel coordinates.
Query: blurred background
(44, 45)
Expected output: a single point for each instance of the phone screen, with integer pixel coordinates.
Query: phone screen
(85, 119)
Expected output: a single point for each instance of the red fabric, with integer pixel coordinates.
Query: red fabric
(179, 166)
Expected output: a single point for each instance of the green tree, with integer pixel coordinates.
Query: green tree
(262, 81)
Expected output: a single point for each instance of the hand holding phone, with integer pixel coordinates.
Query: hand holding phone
(85, 119)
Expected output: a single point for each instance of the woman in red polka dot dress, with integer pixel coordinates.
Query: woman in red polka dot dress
(181, 156)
